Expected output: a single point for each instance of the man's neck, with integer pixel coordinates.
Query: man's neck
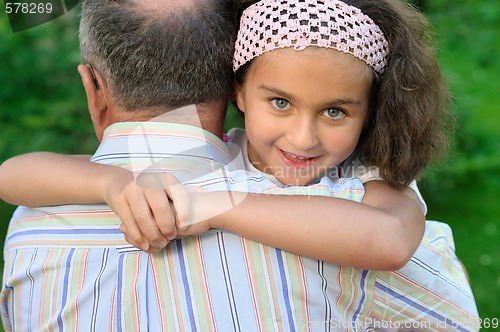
(209, 116)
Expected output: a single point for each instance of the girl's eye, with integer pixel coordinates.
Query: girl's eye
(281, 104)
(334, 113)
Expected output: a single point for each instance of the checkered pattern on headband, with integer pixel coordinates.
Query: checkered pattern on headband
(273, 24)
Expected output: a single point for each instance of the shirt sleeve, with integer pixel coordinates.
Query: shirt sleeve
(432, 288)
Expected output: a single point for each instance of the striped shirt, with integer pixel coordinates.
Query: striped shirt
(68, 268)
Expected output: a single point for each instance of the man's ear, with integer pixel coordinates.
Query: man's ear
(97, 98)
(95, 91)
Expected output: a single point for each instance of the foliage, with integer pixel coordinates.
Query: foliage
(464, 192)
(43, 107)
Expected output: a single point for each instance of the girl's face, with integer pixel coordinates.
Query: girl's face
(304, 110)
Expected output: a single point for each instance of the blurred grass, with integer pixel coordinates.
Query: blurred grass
(43, 107)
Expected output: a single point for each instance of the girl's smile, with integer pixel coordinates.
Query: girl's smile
(304, 110)
(297, 161)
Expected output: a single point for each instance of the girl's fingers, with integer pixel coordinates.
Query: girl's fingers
(162, 212)
(179, 195)
(151, 250)
(129, 228)
(143, 219)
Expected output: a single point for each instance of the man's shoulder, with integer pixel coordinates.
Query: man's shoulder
(22, 212)
(64, 225)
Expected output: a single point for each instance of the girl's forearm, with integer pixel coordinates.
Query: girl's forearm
(44, 178)
(331, 229)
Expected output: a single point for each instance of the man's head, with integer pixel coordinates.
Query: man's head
(151, 56)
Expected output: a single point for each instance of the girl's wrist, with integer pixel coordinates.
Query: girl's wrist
(212, 207)
(111, 181)
(221, 206)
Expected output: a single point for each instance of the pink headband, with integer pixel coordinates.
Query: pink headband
(271, 24)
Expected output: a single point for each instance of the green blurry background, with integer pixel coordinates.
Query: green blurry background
(43, 107)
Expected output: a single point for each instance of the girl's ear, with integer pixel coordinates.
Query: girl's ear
(239, 97)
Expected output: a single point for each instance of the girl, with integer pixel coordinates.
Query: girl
(326, 87)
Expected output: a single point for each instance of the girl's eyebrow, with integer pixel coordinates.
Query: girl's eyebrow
(276, 91)
(337, 101)
(347, 102)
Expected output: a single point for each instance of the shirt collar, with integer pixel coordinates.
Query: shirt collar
(124, 142)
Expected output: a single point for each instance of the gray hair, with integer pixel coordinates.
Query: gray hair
(162, 58)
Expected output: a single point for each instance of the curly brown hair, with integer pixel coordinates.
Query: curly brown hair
(408, 121)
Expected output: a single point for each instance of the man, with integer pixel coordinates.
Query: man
(69, 268)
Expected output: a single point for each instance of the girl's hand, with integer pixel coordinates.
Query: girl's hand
(147, 215)
(194, 207)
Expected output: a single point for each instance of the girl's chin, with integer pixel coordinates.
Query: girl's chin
(294, 176)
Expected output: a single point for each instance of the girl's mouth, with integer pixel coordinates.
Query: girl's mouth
(296, 161)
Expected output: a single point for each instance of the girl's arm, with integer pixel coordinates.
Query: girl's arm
(381, 233)
(44, 178)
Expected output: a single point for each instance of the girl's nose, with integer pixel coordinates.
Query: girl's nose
(303, 134)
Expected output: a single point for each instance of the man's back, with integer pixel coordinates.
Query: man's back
(69, 268)
(79, 273)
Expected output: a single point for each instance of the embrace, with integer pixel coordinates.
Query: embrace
(309, 218)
